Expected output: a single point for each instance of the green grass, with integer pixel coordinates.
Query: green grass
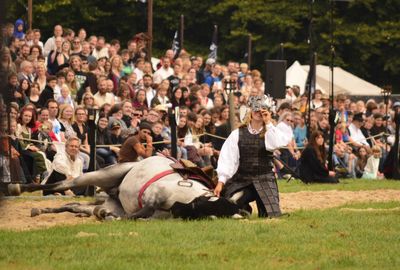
(345, 184)
(319, 239)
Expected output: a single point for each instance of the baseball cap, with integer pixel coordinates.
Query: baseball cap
(115, 125)
(396, 104)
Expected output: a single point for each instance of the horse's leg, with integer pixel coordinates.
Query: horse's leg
(106, 178)
(111, 209)
(76, 208)
(146, 212)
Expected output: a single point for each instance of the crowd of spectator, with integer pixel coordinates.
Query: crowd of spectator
(53, 83)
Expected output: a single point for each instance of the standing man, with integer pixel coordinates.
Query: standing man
(246, 161)
(103, 96)
(52, 106)
(150, 92)
(164, 72)
(50, 43)
(100, 49)
(81, 77)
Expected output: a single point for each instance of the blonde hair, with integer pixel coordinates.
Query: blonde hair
(247, 121)
(376, 149)
(71, 139)
(63, 107)
(121, 65)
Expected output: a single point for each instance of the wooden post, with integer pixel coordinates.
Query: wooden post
(182, 29)
(172, 124)
(150, 28)
(90, 191)
(249, 51)
(231, 111)
(30, 14)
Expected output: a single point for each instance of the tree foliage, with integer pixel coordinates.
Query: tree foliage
(366, 32)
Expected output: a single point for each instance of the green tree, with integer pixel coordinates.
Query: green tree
(366, 36)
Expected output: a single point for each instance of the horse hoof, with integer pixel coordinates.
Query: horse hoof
(14, 189)
(35, 212)
(237, 216)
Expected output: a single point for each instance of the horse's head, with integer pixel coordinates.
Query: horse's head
(207, 206)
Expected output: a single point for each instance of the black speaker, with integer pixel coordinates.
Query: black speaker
(275, 78)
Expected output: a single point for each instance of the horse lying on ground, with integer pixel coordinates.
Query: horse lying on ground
(144, 189)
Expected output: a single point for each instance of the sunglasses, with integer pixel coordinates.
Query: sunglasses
(138, 114)
(146, 132)
(289, 120)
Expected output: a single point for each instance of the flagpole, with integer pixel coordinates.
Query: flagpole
(182, 29)
(214, 44)
(30, 14)
(332, 113)
(311, 69)
(249, 47)
(150, 28)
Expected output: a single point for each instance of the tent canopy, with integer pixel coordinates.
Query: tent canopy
(344, 82)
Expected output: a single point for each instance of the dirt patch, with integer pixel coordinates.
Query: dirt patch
(327, 199)
(16, 214)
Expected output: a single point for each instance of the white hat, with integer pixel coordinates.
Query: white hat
(210, 61)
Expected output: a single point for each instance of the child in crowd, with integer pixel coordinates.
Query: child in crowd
(46, 136)
(371, 170)
(362, 159)
(65, 97)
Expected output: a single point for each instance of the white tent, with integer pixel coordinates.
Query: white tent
(344, 82)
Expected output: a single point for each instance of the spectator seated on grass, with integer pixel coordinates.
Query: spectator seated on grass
(313, 167)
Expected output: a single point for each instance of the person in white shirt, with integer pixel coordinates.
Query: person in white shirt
(100, 50)
(246, 161)
(50, 43)
(371, 170)
(203, 98)
(103, 96)
(164, 72)
(150, 92)
(67, 166)
(357, 138)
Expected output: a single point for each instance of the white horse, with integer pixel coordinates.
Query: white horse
(148, 188)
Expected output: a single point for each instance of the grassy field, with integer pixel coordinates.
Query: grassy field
(356, 236)
(345, 184)
(336, 238)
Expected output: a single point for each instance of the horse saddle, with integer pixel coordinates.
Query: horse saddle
(189, 170)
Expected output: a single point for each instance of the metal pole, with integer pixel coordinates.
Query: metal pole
(332, 113)
(249, 49)
(150, 28)
(231, 111)
(172, 124)
(182, 29)
(90, 191)
(313, 56)
(230, 87)
(30, 14)
(313, 69)
(386, 92)
(282, 51)
(395, 149)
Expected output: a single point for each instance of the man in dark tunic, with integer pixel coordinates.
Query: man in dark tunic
(245, 163)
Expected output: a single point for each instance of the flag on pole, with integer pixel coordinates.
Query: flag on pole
(311, 77)
(176, 44)
(214, 44)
